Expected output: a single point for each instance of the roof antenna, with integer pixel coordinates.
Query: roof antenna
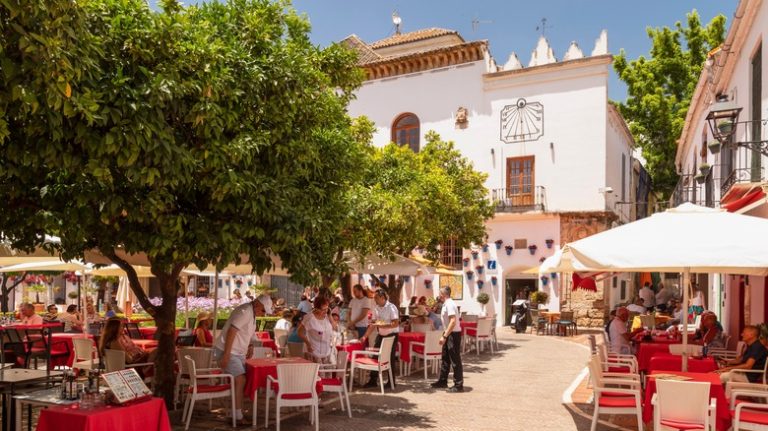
(476, 23)
(543, 27)
(397, 21)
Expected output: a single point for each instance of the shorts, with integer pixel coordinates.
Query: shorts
(236, 364)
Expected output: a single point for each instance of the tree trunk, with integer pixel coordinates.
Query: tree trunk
(165, 320)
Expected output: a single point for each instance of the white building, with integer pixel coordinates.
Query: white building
(557, 153)
(736, 177)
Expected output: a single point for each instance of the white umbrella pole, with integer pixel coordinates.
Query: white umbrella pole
(186, 303)
(686, 299)
(215, 302)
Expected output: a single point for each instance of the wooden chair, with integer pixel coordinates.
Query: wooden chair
(537, 322)
(567, 323)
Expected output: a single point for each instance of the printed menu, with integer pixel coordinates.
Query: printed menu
(126, 385)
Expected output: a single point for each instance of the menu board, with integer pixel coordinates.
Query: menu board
(126, 385)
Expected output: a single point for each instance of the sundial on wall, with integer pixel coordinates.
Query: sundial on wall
(521, 122)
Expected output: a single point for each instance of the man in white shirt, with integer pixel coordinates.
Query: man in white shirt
(305, 306)
(648, 295)
(233, 346)
(663, 297)
(617, 332)
(267, 301)
(28, 315)
(450, 339)
(386, 318)
(638, 306)
(360, 306)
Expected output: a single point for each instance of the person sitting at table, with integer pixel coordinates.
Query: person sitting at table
(90, 313)
(52, 315)
(663, 297)
(203, 335)
(419, 315)
(265, 299)
(305, 307)
(110, 311)
(710, 333)
(434, 316)
(617, 332)
(753, 358)
(236, 296)
(114, 337)
(637, 306)
(72, 320)
(284, 323)
(293, 335)
(28, 315)
(316, 331)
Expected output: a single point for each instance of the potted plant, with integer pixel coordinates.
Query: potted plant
(483, 298)
(498, 243)
(532, 248)
(542, 259)
(538, 297)
(37, 289)
(485, 248)
(549, 242)
(480, 284)
(428, 283)
(72, 296)
(475, 253)
(466, 261)
(479, 269)
(701, 179)
(494, 280)
(544, 280)
(508, 249)
(469, 275)
(406, 278)
(714, 146)
(704, 169)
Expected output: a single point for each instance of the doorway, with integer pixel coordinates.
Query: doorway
(516, 288)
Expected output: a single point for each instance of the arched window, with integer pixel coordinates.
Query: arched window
(405, 131)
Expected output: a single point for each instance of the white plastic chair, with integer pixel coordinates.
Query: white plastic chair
(262, 352)
(480, 334)
(615, 396)
(114, 360)
(592, 344)
(616, 361)
(429, 350)
(281, 339)
(294, 387)
(760, 373)
(295, 349)
(750, 415)
(683, 406)
(198, 391)
(84, 354)
(729, 354)
(202, 357)
(374, 361)
(693, 349)
(470, 318)
(421, 327)
(336, 380)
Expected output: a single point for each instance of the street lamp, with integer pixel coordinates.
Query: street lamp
(722, 121)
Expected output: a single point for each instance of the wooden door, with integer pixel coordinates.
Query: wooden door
(520, 181)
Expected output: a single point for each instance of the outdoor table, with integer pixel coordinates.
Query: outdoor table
(645, 351)
(716, 390)
(149, 415)
(9, 380)
(350, 347)
(65, 338)
(636, 323)
(42, 398)
(148, 332)
(257, 370)
(465, 325)
(405, 339)
(551, 316)
(670, 362)
(146, 345)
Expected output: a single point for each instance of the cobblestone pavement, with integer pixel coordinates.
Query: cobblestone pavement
(521, 387)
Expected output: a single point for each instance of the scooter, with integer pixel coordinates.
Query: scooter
(520, 318)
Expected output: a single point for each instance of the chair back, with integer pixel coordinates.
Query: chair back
(191, 322)
(342, 358)
(648, 321)
(281, 337)
(295, 349)
(201, 356)
(94, 328)
(191, 368)
(58, 329)
(566, 316)
(83, 349)
(297, 378)
(596, 371)
(592, 344)
(220, 323)
(432, 342)
(484, 327)
(682, 401)
(421, 327)
(133, 330)
(693, 349)
(262, 352)
(470, 318)
(385, 350)
(114, 360)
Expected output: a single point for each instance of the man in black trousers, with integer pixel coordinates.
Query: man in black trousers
(451, 342)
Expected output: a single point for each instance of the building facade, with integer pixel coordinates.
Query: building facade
(724, 165)
(558, 155)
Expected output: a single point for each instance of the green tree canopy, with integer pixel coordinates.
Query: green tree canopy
(194, 135)
(660, 88)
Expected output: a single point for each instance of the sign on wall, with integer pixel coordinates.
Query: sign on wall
(456, 283)
(522, 122)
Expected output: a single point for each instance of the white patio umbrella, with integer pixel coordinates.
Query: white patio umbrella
(399, 265)
(116, 271)
(49, 265)
(685, 239)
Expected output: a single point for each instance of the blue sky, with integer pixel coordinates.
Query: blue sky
(510, 25)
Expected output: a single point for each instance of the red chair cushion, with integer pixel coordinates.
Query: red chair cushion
(276, 389)
(618, 369)
(418, 349)
(209, 388)
(615, 394)
(682, 426)
(752, 416)
(472, 332)
(368, 361)
(331, 381)
(607, 401)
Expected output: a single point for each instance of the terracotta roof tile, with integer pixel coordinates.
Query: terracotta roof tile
(412, 36)
(364, 52)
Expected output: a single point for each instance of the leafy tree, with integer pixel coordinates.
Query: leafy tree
(660, 88)
(195, 135)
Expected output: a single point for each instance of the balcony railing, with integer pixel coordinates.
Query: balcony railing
(517, 201)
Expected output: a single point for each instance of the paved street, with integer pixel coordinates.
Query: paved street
(519, 388)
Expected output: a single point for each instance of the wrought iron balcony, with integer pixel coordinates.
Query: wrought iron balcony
(519, 200)
(689, 190)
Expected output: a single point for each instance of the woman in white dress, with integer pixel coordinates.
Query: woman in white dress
(316, 330)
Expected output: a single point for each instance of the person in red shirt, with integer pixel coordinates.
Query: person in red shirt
(28, 315)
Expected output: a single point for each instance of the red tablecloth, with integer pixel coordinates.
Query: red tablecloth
(67, 339)
(670, 362)
(148, 332)
(658, 339)
(149, 415)
(645, 351)
(146, 345)
(257, 370)
(264, 335)
(350, 347)
(716, 390)
(405, 339)
(465, 325)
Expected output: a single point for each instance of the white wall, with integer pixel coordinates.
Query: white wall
(618, 144)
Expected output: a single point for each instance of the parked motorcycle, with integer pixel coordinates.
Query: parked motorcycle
(520, 317)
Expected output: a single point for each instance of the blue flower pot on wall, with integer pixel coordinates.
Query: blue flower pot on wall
(498, 244)
(494, 281)
(406, 278)
(466, 261)
(508, 249)
(480, 284)
(475, 253)
(544, 280)
(469, 275)
(485, 248)
(428, 284)
(479, 269)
